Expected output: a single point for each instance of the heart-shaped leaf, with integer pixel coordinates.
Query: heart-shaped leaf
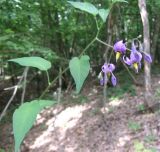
(34, 61)
(85, 6)
(79, 69)
(103, 13)
(24, 117)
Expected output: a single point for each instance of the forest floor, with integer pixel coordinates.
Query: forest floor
(80, 124)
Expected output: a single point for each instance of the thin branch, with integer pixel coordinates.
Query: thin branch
(51, 84)
(24, 85)
(130, 73)
(104, 43)
(48, 79)
(60, 85)
(13, 95)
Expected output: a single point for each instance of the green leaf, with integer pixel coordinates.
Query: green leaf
(24, 117)
(114, 1)
(36, 62)
(85, 6)
(103, 13)
(79, 69)
(5, 37)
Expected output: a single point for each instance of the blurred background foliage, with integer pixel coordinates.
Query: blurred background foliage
(57, 32)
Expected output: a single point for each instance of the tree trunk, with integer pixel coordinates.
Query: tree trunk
(146, 42)
(155, 36)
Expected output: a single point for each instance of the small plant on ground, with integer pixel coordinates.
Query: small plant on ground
(150, 138)
(140, 147)
(134, 126)
(141, 107)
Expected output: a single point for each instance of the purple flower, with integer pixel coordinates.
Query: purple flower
(119, 48)
(107, 71)
(134, 60)
(148, 57)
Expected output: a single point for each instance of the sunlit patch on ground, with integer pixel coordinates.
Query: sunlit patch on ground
(123, 140)
(62, 122)
(115, 102)
(89, 127)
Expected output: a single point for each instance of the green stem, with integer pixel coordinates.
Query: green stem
(104, 43)
(130, 73)
(87, 47)
(97, 23)
(94, 39)
(110, 45)
(48, 78)
(51, 83)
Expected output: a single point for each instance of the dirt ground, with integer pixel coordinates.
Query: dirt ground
(88, 127)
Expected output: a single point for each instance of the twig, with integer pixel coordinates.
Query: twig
(104, 43)
(24, 85)
(13, 95)
(60, 85)
(135, 81)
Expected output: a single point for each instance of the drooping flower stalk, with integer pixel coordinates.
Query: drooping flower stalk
(106, 73)
(134, 60)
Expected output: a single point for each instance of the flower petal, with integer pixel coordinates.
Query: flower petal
(114, 80)
(127, 60)
(139, 65)
(101, 81)
(105, 68)
(119, 47)
(135, 56)
(111, 67)
(133, 48)
(148, 58)
(100, 76)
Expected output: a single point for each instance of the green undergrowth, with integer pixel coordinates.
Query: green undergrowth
(134, 126)
(79, 99)
(125, 85)
(8, 116)
(155, 69)
(2, 150)
(140, 147)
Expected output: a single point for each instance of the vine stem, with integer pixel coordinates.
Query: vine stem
(48, 79)
(24, 85)
(104, 43)
(51, 83)
(93, 40)
(130, 73)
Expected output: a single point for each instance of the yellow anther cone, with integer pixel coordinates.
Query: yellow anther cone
(135, 65)
(118, 54)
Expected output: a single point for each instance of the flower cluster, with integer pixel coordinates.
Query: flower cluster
(106, 73)
(134, 61)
